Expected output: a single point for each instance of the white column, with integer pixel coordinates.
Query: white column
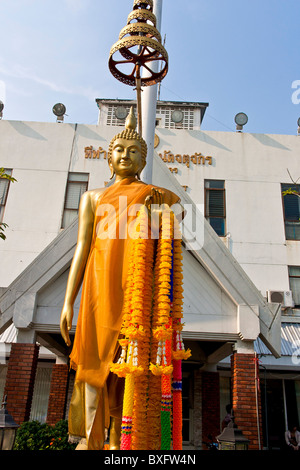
(149, 100)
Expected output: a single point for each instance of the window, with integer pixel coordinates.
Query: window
(41, 394)
(4, 185)
(291, 208)
(77, 184)
(294, 275)
(215, 205)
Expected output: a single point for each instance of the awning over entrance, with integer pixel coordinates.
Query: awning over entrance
(290, 342)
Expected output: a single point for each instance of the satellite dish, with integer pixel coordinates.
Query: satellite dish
(177, 116)
(1, 106)
(121, 112)
(240, 119)
(298, 121)
(59, 110)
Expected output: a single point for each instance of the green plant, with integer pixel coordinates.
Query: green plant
(2, 228)
(4, 175)
(32, 435)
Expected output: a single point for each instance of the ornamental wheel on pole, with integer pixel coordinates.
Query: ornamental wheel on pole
(138, 52)
(139, 46)
(134, 57)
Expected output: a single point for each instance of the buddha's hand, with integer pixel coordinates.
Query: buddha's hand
(66, 322)
(155, 206)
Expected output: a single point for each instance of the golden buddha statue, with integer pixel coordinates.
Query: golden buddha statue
(100, 264)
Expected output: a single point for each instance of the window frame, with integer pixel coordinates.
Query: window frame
(69, 183)
(207, 216)
(295, 223)
(294, 276)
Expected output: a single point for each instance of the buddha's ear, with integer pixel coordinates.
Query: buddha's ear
(143, 164)
(112, 171)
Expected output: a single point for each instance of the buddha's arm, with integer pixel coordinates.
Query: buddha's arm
(85, 230)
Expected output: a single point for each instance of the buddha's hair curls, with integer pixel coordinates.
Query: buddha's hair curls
(129, 134)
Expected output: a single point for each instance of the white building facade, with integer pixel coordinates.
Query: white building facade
(248, 266)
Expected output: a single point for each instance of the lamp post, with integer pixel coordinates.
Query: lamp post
(8, 428)
(232, 438)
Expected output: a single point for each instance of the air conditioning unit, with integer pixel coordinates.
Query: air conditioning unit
(281, 297)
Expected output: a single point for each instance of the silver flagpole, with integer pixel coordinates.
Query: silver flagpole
(149, 101)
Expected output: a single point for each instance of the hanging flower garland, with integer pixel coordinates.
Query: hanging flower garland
(152, 347)
(169, 300)
(162, 331)
(154, 398)
(139, 437)
(134, 356)
(179, 352)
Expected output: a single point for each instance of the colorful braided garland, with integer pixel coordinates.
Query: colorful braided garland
(152, 347)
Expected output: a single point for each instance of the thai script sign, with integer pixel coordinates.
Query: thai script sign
(167, 156)
(196, 159)
(89, 152)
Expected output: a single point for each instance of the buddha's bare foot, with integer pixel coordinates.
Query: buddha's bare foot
(82, 445)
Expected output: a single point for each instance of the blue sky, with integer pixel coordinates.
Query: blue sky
(236, 55)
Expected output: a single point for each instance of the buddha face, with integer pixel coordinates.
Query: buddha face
(126, 158)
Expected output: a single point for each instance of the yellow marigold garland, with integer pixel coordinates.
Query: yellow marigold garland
(139, 437)
(136, 330)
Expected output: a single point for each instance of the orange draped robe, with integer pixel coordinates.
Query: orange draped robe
(100, 315)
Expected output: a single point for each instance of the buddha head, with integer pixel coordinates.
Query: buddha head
(127, 151)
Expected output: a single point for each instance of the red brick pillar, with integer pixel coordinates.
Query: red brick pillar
(210, 405)
(58, 393)
(246, 399)
(20, 380)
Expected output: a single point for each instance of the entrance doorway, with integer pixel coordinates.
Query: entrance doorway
(280, 408)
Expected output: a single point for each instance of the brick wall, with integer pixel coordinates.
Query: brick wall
(244, 385)
(58, 393)
(20, 380)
